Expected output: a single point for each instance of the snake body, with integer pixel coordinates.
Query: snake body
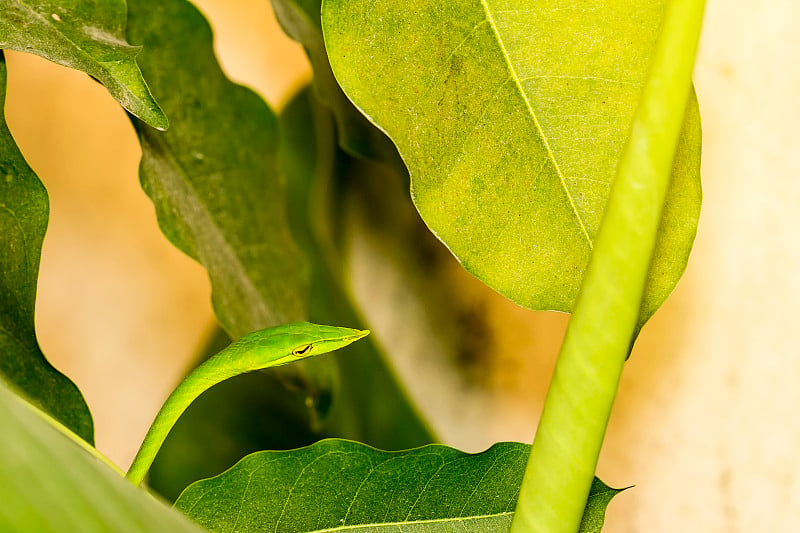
(266, 348)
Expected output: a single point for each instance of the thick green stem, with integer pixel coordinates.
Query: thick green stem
(582, 391)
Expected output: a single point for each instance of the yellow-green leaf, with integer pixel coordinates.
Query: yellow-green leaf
(511, 117)
(51, 484)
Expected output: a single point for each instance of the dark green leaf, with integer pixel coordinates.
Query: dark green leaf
(301, 21)
(511, 118)
(357, 397)
(600, 495)
(50, 483)
(214, 176)
(88, 36)
(215, 182)
(24, 210)
(338, 485)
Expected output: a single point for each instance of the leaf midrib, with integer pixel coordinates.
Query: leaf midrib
(414, 522)
(550, 154)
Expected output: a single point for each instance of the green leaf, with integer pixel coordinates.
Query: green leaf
(511, 118)
(24, 209)
(219, 196)
(51, 483)
(337, 485)
(594, 514)
(88, 36)
(214, 176)
(301, 21)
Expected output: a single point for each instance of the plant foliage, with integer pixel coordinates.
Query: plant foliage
(337, 485)
(24, 210)
(87, 36)
(510, 119)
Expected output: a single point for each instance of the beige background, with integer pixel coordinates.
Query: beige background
(706, 423)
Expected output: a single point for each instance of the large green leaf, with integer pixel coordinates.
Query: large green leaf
(301, 21)
(338, 485)
(50, 483)
(214, 176)
(24, 210)
(88, 36)
(511, 117)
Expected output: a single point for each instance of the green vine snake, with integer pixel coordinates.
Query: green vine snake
(255, 351)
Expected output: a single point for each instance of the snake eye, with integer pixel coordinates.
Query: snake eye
(301, 350)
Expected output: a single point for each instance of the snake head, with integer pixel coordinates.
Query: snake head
(290, 342)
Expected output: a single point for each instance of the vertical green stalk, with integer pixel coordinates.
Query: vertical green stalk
(582, 391)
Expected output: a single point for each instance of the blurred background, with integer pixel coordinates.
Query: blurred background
(706, 422)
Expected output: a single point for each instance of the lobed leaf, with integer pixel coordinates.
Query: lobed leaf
(87, 36)
(337, 485)
(511, 118)
(356, 397)
(214, 176)
(24, 210)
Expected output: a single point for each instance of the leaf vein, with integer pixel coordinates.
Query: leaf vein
(550, 154)
(400, 525)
